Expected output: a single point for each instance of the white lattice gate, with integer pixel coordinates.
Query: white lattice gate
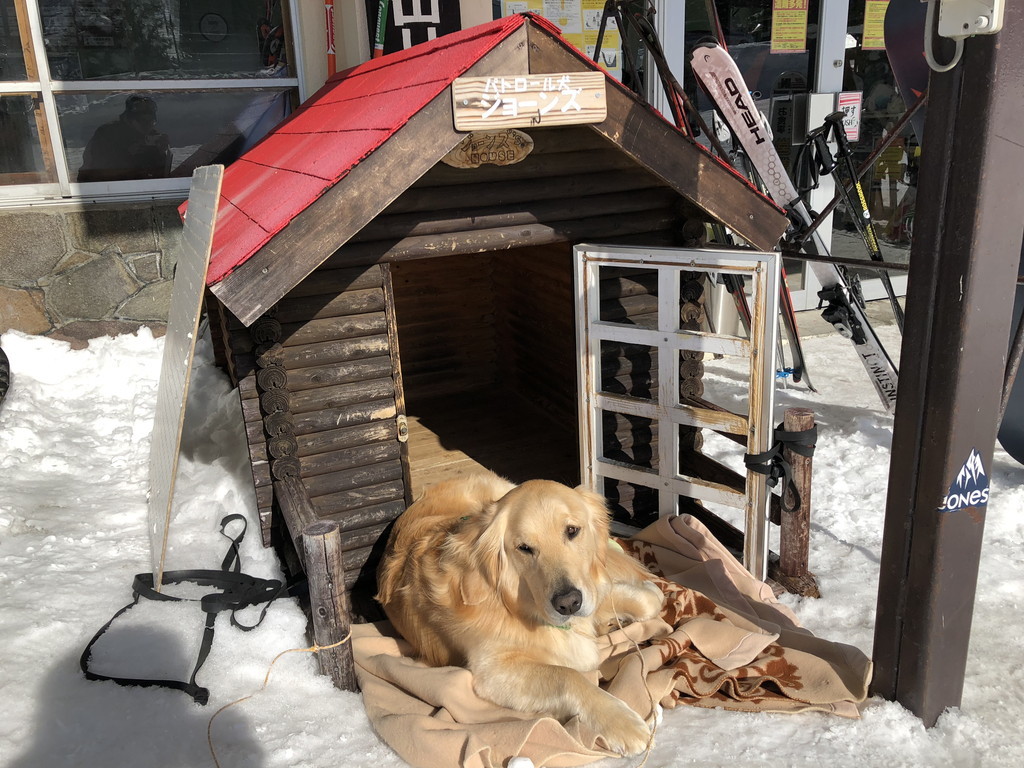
(632, 346)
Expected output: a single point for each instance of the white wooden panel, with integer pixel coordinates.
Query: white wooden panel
(179, 348)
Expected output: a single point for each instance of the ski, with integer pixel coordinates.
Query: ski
(787, 313)
(722, 81)
(5, 375)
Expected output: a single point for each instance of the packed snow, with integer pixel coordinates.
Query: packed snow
(74, 449)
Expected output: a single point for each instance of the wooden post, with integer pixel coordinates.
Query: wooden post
(321, 542)
(795, 526)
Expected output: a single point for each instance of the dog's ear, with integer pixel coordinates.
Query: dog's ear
(597, 506)
(488, 564)
(600, 519)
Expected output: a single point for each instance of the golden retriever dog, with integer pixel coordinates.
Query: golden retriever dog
(515, 583)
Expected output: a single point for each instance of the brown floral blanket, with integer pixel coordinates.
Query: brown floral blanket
(721, 641)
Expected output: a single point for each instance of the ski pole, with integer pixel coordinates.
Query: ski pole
(883, 144)
(863, 223)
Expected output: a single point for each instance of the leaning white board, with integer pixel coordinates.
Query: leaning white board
(179, 348)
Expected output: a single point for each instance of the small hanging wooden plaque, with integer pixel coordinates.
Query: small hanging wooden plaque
(506, 147)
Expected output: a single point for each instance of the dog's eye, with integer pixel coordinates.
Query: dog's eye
(571, 532)
(526, 548)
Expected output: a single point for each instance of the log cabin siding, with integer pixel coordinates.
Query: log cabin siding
(336, 402)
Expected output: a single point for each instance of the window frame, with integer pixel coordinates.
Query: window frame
(39, 85)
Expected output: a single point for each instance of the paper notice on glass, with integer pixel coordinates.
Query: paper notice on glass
(789, 26)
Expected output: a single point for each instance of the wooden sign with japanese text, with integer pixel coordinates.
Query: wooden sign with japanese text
(524, 101)
(504, 147)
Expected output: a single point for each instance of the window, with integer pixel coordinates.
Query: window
(124, 98)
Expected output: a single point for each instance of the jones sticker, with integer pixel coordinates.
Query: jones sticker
(970, 488)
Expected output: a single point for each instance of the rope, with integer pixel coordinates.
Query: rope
(312, 649)
(647, 687)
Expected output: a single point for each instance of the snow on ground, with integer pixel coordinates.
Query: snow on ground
(74, 447)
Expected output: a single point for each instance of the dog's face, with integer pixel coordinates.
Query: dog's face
(544, 550)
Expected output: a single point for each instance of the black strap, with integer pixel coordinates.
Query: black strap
(236, 591)
(774, 465)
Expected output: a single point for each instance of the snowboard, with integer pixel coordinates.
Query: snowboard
(1011, 431)
(5, 375)
(904, 47)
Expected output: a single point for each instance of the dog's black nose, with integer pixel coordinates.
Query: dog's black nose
(567, 602)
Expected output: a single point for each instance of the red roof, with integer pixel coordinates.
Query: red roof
(354, 113)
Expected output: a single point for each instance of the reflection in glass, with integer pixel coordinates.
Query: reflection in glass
(114, 136)
(19, 139)
(890, 185)
(12, 58)
(163, 39)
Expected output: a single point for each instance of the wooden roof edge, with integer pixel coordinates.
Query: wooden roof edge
(640, 131)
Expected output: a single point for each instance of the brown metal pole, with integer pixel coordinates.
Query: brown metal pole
(967, 241)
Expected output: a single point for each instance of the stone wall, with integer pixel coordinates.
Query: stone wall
(79, 272)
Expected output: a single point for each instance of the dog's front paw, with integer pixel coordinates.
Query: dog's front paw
(637, 602)
(622, 729)
(652, 601)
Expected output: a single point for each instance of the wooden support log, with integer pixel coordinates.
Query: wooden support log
(336, 503)
(346, 437)
(300, 309)
(501, 238)
(795, 526)
(330, 282)
(423, 196)
(339, 351)
(332, 328)
(353, 478)
(321, 543)
(296, 509)
(358, 456)
(339, 395)
(334, 418)
(531, 212)
(342, 373)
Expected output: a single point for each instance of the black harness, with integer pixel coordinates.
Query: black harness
(235, 591)
(772, 463)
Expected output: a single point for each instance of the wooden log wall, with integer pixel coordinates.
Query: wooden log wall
(536, 328)
(445, 310)
(575, 185)
(320, 397)
(631, 296)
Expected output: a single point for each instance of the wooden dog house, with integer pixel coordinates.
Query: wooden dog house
(390, 320)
